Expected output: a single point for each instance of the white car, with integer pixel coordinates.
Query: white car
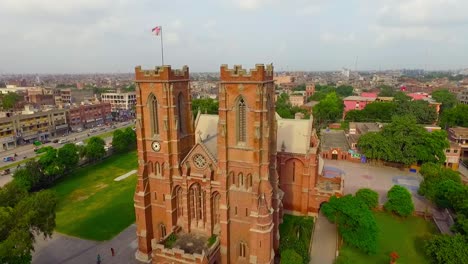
(63, 141)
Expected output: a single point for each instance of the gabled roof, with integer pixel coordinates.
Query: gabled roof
(293, 134)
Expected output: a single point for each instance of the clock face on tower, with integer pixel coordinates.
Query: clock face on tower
(156, 146)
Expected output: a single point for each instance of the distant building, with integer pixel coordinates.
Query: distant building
(297, 99)
(32, 125)
(459, 135)
(122, 104)
(356, 103)
(310, 90)
(89, 115)
(463, 96)
(70, 96)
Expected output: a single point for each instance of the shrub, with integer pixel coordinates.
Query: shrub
(399, 201)
(369, 197)
(289, 256)
(447, 249)
(355, 222)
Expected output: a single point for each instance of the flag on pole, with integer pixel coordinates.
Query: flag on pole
(156, 30)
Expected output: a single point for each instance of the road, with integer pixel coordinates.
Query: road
(28, 150)
(323, 242)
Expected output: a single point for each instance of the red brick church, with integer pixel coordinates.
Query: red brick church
(214, 188)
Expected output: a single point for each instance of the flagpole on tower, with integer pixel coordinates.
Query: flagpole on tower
(162, 48)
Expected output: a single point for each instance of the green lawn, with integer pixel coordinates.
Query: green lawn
(405, 236)
(94, 206)
(295, 234)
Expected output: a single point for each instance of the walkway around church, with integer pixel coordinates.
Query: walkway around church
(323, 242)
(72, 250)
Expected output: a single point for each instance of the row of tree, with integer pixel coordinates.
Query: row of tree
(27, 210)
(404, 141)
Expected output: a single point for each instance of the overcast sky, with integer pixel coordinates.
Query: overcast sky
(60, 36)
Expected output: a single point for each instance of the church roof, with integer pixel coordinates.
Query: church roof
(206, 132)
(292, 134)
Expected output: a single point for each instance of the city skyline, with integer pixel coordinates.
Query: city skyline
(104, 36)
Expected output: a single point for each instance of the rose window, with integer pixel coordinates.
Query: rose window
(199, 161)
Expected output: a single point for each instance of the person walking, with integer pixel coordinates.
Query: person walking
(98, 260)
(112, 251)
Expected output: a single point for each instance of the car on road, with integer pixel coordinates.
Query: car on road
(63, 141)
(44, 141)
(79, 129)
(80, 143)
(5, 159)
(55, 140)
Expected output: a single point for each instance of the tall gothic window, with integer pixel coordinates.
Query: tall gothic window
(294, 171)
(216, 212)
(180, 113)
(153, 109)
(241, 121)
(179, 202)
(197, 205)
(242, 249)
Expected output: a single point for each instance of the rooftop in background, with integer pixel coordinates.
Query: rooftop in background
(333, 139)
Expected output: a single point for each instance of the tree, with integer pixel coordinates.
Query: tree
(94, 150)
(344, 90)
(22, 219)
(205, 105)
(300, 87)
(369, 197)
(119, 142)
(446, 98)
(289, 256)
(50, 166)
(457, 116)
(30, 177)
(399, 201)
(130, 135)
(386, 91)
(355, 222)
(447, 249)
(433, 176)
(9, 100)
(328, 110)
(68, 156)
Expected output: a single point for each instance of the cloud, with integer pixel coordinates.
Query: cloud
(250, 4)
(335, 38)
(53, 7)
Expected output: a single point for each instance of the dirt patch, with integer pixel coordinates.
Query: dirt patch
(81, 198)
(101, 186)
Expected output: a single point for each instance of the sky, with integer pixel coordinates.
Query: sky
(87, 36)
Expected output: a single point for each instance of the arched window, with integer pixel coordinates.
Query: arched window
(241, 121)
(157, 168)
(153, 110)
(294, 171)
(242, 249)
(249, 180)
(240, 180)
(233, 179)
(216, 211)
(180, 112)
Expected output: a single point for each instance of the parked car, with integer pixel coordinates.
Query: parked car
(55, 140)
(6, 172)
(45, 141)
(5, 159)
(80, 143)
(79, 129)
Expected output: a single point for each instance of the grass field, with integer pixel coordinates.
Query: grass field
(405, 236)
(94, 206)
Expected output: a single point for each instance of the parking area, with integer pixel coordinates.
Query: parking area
(378, 178)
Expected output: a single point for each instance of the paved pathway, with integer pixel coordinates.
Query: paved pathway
(71, 250)
(324, 242)
(126, 175)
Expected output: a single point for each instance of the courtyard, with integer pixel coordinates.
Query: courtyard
(92, 205)
(377, 178)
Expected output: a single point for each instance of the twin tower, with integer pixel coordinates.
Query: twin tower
(207, 202)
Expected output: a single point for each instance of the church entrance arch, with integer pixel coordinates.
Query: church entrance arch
(334, 154)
